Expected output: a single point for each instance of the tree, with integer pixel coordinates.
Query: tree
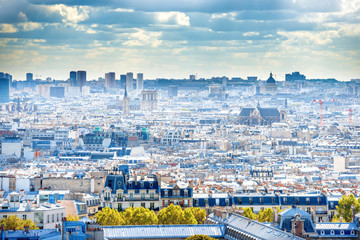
(200, 237)
(249, 213)
(109, 217)
(139, 216)
(188, 217)
(344, 209)
(266, 215)
(199, 214)
(175, 215)
(13, 222)
(72, 218)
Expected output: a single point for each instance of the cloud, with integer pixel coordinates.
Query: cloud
(301, 38)
(30, 26)
(143, 38)
(177, 18)
(73, 14)
(7, 28)
(250, 34)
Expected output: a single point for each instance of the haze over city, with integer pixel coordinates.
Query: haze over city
(172, 39)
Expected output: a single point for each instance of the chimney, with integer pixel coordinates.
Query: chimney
(313, 218)
(135, 178)
(297, 226)
(274, 216)
(353, 212)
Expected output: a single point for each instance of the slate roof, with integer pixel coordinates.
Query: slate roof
(264, 112)
(162, 231)
(288, 215)
(257, 229)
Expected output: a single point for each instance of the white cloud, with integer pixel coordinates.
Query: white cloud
(178, 18)
(230, 15)
(29, 26)
(122, 10)
(309, 38)
(143, 38)
(7, 28)
(71, 14)
(250, 34)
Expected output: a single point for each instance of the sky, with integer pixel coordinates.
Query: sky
(176, 38)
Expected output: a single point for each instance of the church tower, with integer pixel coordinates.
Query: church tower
(126, 104)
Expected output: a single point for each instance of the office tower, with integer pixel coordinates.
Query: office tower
(58, 92)
(4, 90)
(123, 81)
(72, 79)
(129, 82)
(110, 80)
(81, 79)
(192, 77)
(29, 77)
(140, 81)
(2, 75)
(173, 91)
(294, 76)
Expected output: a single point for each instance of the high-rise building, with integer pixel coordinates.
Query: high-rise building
(58, 92)
(173, 91)
(295, 76)
(140, 81)
(129, 82)
(72, 79)
(4, 90)
(110, 80)
(81, 79)
(2, 75)
(192, 77)
(123, 80)
(29, 77)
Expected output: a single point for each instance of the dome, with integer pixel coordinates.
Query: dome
(270, 79)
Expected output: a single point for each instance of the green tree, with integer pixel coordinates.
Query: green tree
(200, 237)
(249, 213)
(175, 215)
(13, 222)
(139, 216)
(344, 209)
(266, 215)
(188, 217)
(72, 218)
(199, 214)
(109, 217)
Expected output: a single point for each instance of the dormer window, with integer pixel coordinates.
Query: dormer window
(342, 232)
(130, 184)
(332, 232)
(142, 184)
(151, 185)
(322, 232)
(352, 232)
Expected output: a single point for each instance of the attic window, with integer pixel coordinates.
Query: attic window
(352, 232)
(151, 185)
(342, 232)
(322, 232)
(332, 232)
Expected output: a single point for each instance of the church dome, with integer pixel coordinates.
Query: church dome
(270, 79)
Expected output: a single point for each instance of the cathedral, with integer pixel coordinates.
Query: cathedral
(261, 116)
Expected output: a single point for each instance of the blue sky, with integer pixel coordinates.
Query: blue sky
(175, 38)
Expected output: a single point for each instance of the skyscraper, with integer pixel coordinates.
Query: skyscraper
(81, 79)
(110, 80)
(29, 77)
(72, 79)
(129, 82)
(140, 81)
(126, 104)
(4, 90)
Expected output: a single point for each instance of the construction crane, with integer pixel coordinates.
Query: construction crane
(321, 110)
(76, 136)
(350, 115)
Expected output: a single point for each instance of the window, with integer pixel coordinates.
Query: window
(130, 184)
(165, 193)
(308, 210)
(332, 232)
(57, 217)
(250, 200)
(319, 200)
(4, 216)
(196, 202)
(206, 201)
(176, 192)
(142, 184)
(273, 200)
(143, 205)
(342, 232)
(53, 217)
(285, 200)
(352, 232)
(152, 205)
(131, 204)
(151, 185)
(131, 196)
(24, 217)
(152, 196)
(48, 218)
(239, 200)
(142, 196)
(322, 232)
(297, 200)
(227, 202)
(119, 207)
(261, 200)
(186, 193)
(119, 197)
(331, 205)
(307, 201)
(217, 202)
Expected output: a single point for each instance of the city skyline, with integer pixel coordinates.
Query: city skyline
(178, 38)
